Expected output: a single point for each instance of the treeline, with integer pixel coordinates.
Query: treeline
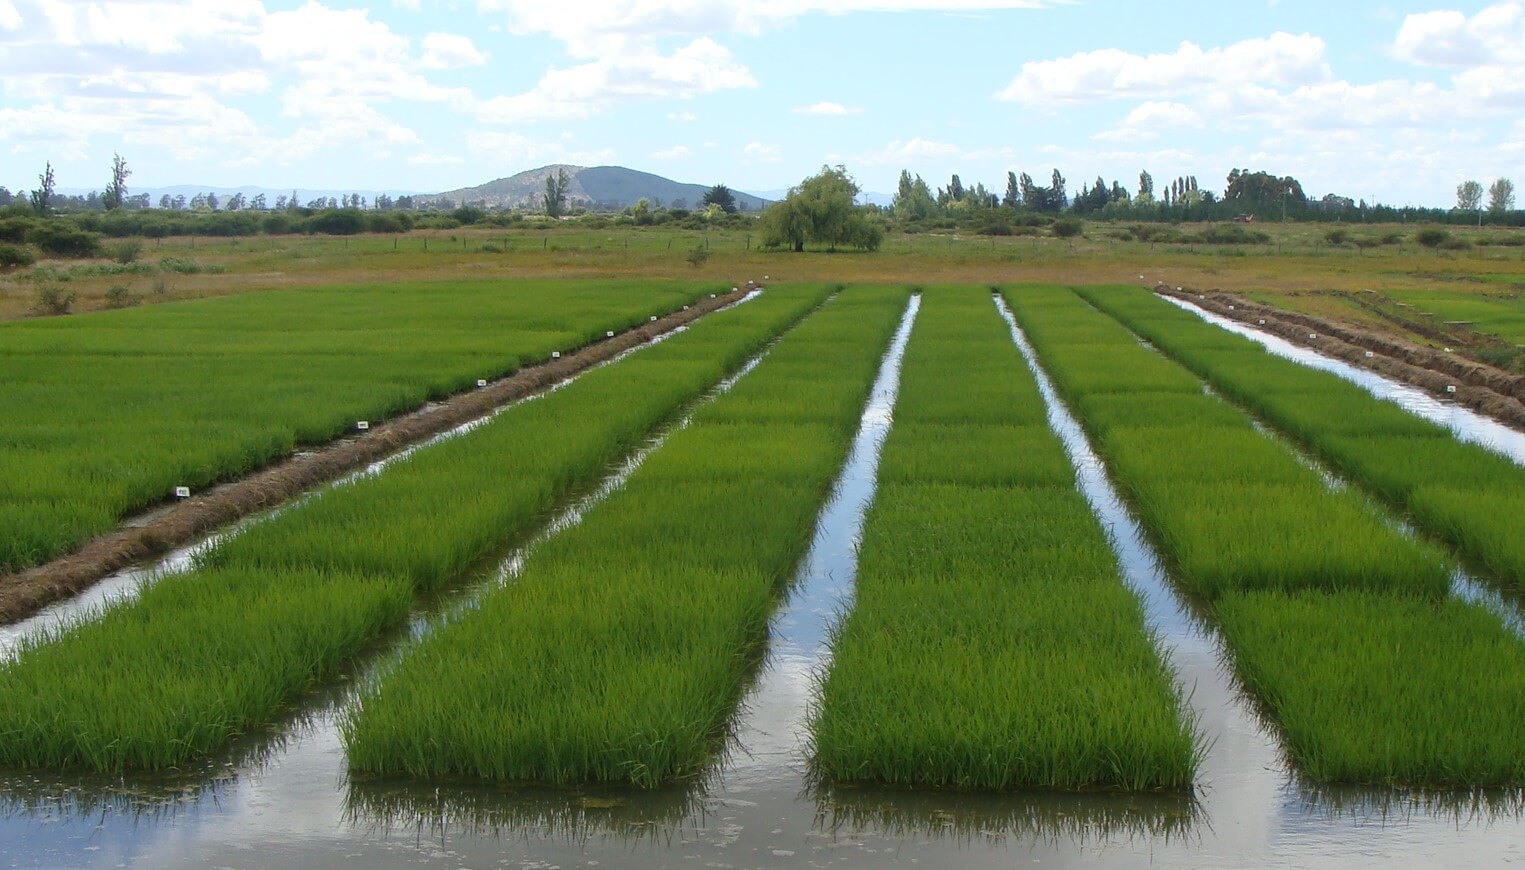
(1246, 196)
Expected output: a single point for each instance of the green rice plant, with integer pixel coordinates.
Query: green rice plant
(1231, 509)
(200, 656)
(1384, 689)
(1460, 492)
(195, 661)
(991, 643)
(1339, 624)
(620, 652)
(107, 412)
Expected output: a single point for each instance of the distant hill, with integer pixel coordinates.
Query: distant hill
(607, 187)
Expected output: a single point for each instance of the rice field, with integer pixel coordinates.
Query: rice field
(991, 643)
(1456, 491)
(990, 648)
(203, 656)
(106, 413)
(620, 652)
(1335, 621)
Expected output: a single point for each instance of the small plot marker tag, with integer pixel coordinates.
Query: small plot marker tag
(1369, 354)
(182, 492)
(1451, 388)
(1312, 336)
(712, 296)
(363, 425)
(653, 318)
(481, 382)
(555, 354)
(1262, 321)
(608, 333)
(1231, 308)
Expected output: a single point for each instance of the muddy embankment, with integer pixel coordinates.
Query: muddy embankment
(1478, 386)
(163, 529)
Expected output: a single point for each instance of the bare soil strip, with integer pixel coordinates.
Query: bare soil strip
(25, 592)
(1478, 386)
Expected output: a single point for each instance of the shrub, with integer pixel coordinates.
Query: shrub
(121, 297)
(337, 222)
(51, 300)
(1067, 228)
(15, 229)
(62, 240)
(15, 255)
(1337, 237)
(1233, 234)
(1433, 237)
(125, 251)
(698, 256)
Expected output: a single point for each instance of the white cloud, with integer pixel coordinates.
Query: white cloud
(827, 108)
(901, 152)
(1281, 60)
(1148, 120)
(449, 51)
(703, 66)
(10, 17)
(676, 152)
(682, 117)
(1494, 36)
(589, 27)
(757, 152)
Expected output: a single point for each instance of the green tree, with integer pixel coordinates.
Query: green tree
(116, 189)
(1146, 185)
(913, 198)
(44, 192)
(821, 210)
(1501, 196)
(1013, 198)
(720, 195)
(555, 198)
(1469, 196)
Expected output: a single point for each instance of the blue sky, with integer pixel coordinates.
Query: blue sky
(1393, 101)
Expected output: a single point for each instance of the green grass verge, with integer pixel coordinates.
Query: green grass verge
(1460, 492)
(107, 412)
(202, 656)
(1340, 625)
(619, 654)
(991, 643)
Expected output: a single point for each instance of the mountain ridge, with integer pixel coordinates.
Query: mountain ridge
(604, 187)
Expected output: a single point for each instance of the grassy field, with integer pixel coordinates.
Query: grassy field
(105, 414)
(1295, 268)
(206, 655)
(1335, 621)
(991, 642)
(621, 651)
(1457, 491)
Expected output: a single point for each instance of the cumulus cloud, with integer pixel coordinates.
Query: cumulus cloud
(757, 152)
(676, 152)
(827, 108)
(164, 73)
(1280, 60)
(700, 67)
(1494, 36)
(449, 50)
(590, 27)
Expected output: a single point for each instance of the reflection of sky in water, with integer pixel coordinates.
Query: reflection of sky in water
(1463, 422)
(290, 805)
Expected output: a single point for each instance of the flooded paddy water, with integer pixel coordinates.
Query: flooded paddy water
(285, 799)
